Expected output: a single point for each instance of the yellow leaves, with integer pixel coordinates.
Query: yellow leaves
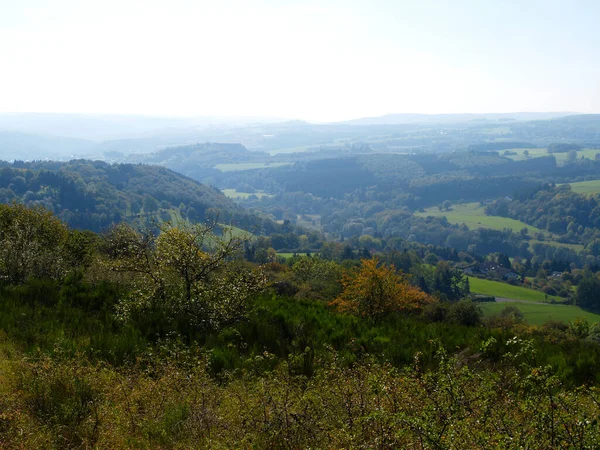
(375, 290)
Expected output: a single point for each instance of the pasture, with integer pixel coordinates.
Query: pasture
(473, 216)
(586, 187)
(505, 290)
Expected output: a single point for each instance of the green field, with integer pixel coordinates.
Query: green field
(236, 167)
(576, 247)
(473, 216)
(586, 187)
(540, 314)
(289, 255)
(539, 152)
(499, 289)
(232, 193)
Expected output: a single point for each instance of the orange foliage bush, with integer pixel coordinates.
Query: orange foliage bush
(376, 290)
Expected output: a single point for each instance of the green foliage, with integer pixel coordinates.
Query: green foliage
(588, 292)
(32, 244)
(185, 273)
(94, 195)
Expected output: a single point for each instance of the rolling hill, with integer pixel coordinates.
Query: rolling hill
(93, 195)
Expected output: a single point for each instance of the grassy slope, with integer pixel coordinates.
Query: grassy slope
(232, 193)
(473, 216)
(498, 289)
(539, 314)
(586, 187)
(539, 152)
(233, 167)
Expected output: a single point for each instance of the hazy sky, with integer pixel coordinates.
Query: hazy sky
(314, 60)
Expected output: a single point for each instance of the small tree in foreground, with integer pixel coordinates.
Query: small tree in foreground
(185, 271)
(375, 290)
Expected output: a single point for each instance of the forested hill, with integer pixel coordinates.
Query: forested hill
(93, 195)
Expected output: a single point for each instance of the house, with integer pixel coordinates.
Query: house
(492, 270)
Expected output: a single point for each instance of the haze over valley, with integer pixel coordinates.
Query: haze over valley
(299, 224)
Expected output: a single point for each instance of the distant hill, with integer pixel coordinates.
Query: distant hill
(93, 195)
(398, 119)
(101, 127)
(583, 129)
(20, 145)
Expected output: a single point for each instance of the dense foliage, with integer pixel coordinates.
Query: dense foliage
(94, 195)
(168, 340)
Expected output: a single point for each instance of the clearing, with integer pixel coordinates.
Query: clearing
(505, 290)
(236, 167)
(233, 193)
(473, 216)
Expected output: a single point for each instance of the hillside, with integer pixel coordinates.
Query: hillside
(93, 195)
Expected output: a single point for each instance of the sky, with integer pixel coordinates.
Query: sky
(310, 60)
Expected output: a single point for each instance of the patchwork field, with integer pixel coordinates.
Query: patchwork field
(499, 289)
(539, 314)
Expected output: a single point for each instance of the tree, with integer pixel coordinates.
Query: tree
(450, 283)
(504, 260)
(588, 292)
(32, 244)
(187, 271)
(376, 290)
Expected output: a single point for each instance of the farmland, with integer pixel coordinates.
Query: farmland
(498, 289)
(473, 216)
(586, 187)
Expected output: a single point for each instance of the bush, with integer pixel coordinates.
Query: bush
(465, 312)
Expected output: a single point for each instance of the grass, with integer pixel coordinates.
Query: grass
(232, 193)
(539, 152)
(575, 247)
(473, 216)
(540, 314)
(235, 167)
(291, 254)
(586, 187)
(505, 290)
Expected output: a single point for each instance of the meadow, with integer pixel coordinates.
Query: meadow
(473, 216)
(499, 289)
(586, 187)
(587, 153)
(235, 167)
(235, 194)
